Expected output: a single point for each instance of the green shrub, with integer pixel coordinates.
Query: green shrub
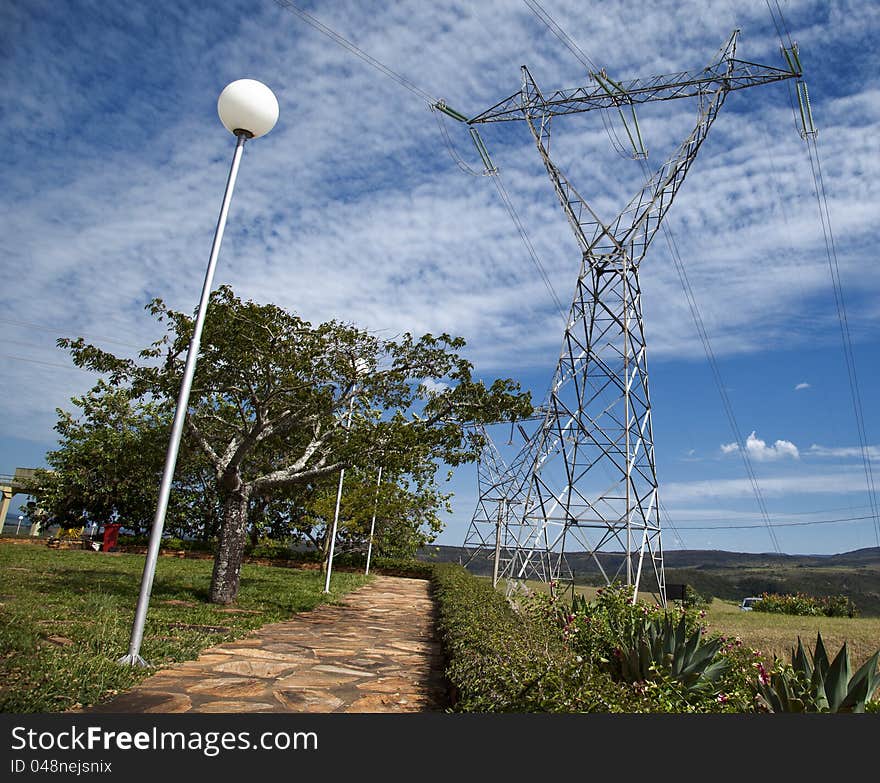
(271, 549)
(695, 600)
(597, 629)
(662, 648)
(813, 684)
(503, 660)
(664, 668)
(801, 604)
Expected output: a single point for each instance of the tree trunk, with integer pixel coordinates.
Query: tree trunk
(325, 551)
(230, 547)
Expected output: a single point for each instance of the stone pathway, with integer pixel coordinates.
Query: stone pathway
(375, 652)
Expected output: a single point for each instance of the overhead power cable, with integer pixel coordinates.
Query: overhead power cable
(345, 43)
(287, 5)
(584, 59)
(502, 191)
(697, 317)
(776, 524)
(846, 337)
(809, 133)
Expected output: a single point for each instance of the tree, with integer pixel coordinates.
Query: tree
(105, 466)
(272, 397)
(406, 513)
(108, 465)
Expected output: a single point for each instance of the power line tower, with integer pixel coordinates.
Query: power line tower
(586, 479)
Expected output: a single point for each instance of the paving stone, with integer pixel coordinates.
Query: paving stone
(377, 653)
(344, 670)
(314, 679)
(254, 667)
(235, 706)
(387, 685)
(229, 686)
(308, 700)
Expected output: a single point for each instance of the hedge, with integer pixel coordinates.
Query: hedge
(502, 660)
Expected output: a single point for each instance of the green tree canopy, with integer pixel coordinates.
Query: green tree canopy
(273, 396)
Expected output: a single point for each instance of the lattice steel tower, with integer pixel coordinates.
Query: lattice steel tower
(586, 477)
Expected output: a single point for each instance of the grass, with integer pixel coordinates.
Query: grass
(776, 634)
(773, 634)
(66, 617)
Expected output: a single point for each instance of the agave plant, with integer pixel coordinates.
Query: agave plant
(663, 647)
(812, 684)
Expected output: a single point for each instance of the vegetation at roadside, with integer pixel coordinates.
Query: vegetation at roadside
(66, 616)
(278, 408)
(501, 660)
(807, 605)
(603, 653)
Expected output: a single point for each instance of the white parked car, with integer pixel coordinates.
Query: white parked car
(748, 603)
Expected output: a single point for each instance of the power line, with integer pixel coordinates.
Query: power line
(808, 132)
(44, 328)
(345, 43)
(45, 364)
(697, 317)
(776, 524)
(502, 191)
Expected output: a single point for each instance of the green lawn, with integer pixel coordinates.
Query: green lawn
(774, 634)
(66, 616)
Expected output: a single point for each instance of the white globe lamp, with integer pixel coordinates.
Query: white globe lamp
(248, 106)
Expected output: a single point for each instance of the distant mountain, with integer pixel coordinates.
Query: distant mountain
(583, 564)
(732, 575)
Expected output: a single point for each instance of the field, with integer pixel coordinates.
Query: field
(66, 616)
(775, 634)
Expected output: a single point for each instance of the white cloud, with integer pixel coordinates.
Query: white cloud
(843, 452)
(780, 486)
(802, 386)
(759, 450)
(434, 387)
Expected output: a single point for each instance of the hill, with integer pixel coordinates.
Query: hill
(734, 575)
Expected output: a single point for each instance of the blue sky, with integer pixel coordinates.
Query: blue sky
(353, 208)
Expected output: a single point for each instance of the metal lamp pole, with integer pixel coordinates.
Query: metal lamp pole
(248, 109)
(336, 512)
(360, 367)
(373, 523)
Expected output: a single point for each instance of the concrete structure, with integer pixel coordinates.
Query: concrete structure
(12, 485)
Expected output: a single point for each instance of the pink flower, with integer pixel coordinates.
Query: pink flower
(763, 677)
(722, 698)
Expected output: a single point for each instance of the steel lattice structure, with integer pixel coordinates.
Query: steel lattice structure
(586, 477)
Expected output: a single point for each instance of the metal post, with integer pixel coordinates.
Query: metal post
(336, 512)
(497, 557)
(137, 632)
(18, 526)
(373, 523)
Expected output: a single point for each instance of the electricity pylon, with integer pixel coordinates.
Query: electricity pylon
(586, 479)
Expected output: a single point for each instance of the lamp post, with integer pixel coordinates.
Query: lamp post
(373, 523)
(248, 109)
(360, 368)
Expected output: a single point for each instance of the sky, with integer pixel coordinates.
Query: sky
(355, 208)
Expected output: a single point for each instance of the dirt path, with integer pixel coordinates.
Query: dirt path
(375, 652)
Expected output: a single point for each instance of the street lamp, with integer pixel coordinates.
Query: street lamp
(373, 523)
(248, 109)
(360, 367)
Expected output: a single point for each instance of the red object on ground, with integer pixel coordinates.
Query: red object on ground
(111, 535)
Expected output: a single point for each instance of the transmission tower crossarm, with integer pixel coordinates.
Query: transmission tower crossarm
(728, 74)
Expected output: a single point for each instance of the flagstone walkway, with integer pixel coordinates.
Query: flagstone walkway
(377, 651)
